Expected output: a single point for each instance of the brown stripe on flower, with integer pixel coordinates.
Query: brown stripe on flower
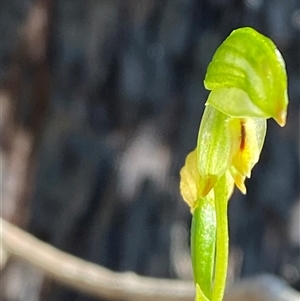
(243, 135)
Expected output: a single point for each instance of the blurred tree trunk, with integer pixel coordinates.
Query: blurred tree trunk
(25, 97)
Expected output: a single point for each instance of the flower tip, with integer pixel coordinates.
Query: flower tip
(242, 188)
(280, 118)
(239, 180)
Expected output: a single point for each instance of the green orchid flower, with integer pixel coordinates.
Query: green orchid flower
(248, 84)
(249, 71)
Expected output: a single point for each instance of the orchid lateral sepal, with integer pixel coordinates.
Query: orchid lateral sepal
(247, 137)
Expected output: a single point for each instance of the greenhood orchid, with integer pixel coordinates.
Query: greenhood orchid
(248, 84)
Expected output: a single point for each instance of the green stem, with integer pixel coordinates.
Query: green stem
(221, 200)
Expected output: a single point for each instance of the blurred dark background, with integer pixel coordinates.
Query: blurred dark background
(101, 102)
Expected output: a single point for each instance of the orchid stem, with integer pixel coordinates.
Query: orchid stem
(222, 240)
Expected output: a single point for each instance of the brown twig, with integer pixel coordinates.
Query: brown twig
(101, 282)
(88, 277)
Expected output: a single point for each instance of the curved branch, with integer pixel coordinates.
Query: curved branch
(95, 280)
(88, 277)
